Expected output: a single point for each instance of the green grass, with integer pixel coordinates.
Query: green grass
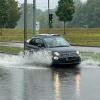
(13, 35)
(80, 36)
(10, 50)
(76, 36)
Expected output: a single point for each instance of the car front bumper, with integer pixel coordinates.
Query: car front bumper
(68, 60)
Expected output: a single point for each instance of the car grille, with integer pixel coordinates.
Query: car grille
(68, 54)
(70, 60)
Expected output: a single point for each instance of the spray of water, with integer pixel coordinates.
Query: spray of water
(90, 63)
(37, 60)
(40, 58)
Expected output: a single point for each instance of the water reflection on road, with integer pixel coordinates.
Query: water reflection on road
(48, 84)
(67, 83)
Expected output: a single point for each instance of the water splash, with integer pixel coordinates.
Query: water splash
(90, 63)
(40, 58)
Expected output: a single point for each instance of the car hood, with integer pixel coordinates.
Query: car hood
(62, 49)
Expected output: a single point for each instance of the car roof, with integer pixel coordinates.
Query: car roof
(45, 35)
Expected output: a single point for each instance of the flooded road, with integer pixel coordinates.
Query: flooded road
(21, 79)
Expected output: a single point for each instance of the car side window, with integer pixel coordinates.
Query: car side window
(37, 42)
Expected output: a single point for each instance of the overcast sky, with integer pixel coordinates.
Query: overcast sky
(43, 4)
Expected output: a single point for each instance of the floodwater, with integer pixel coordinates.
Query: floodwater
(22, 79)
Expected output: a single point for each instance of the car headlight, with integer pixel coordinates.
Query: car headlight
(78, 52)
(56, 54)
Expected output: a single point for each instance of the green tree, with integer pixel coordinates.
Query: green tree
(87, 15)
(65, 11)
(13, 13)
(93, 13)
(3, 13)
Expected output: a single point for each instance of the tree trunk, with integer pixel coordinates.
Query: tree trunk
(64, 27)
(1, 31)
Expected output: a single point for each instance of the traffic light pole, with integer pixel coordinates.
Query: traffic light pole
(50, 17)
(34, 16)
(25, 24)
(48, 13)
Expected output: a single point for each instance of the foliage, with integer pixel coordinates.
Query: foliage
(77, 3)
(9, 13)
(13, 13)
(3, 13)
(87, 15)
(65, 10)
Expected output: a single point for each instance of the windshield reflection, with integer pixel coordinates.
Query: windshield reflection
(56, 42)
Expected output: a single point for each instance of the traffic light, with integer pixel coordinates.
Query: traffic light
(50, 17)
(50, 20)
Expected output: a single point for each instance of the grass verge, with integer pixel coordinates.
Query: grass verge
(76, 36)
(10, 50)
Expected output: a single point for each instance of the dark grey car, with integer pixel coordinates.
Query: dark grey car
(62, 52)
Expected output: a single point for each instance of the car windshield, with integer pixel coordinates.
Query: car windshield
(56, 42)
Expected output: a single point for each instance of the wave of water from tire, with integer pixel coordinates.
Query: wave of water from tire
(38, 60)
(90, 63)
(35, 61)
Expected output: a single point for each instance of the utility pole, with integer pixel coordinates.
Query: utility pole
(48, 13)
(34, 16)
(25, 24)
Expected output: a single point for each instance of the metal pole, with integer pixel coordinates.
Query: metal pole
(34, 16)
(48, 13)
(25, 24)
